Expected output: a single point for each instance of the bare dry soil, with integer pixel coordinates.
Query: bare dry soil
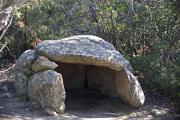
(88, 106)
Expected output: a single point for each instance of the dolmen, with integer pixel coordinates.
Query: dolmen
(46, 73)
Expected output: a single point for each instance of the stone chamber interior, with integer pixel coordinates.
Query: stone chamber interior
(87, 84)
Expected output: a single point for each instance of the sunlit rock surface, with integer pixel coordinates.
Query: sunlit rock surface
(84, 49)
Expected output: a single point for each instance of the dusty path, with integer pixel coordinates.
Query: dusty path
(88, 107)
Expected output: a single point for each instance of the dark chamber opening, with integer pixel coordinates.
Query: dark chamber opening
(85, 85)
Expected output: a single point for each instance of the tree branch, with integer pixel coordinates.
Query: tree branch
(3, 46)
(6, 70)
(7, 8)
(5, 30)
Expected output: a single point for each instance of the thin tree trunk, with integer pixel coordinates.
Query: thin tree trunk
(7, 8)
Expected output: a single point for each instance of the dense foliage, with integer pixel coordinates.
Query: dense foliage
(146, 32)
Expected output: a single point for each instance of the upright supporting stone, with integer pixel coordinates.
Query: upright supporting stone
(23, 71)
(129, 89)
(116, 84)
(46, 89)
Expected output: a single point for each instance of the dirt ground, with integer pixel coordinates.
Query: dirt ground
(87, 106)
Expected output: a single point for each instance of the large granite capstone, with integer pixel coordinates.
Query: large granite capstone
(84, 61)
(84, 49)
